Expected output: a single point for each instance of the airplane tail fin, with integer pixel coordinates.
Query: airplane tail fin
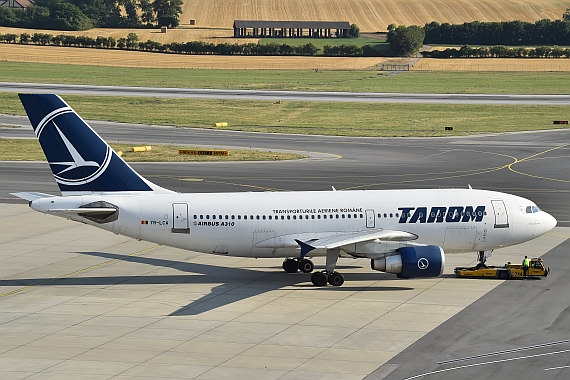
(81, 162)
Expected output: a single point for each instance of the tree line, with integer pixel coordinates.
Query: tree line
(542, 32)
(500, 51)
(131, 42)
(87, 14)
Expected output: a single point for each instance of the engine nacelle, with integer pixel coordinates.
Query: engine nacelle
(413, 262)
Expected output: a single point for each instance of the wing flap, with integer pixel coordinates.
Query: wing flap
(337, 241)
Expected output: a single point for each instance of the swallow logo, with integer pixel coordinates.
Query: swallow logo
(78, 161)
(76, 169)
(423, 263)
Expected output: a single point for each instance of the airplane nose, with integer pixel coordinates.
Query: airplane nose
(550, 222)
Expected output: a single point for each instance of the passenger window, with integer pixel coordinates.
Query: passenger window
(239, 217)
(288, 217)
(213, 216)
(195, 216)
(263, 217)
(270, 217)
(207, 216)
(282, 217)
(312, 217)
(391, 215)
(319, 216)
(201, 216)
(348, 216)
(379, 215)
(233, 217)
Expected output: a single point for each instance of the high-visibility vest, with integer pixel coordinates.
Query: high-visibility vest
(526, 262)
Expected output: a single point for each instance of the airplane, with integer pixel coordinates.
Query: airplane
(403, 232)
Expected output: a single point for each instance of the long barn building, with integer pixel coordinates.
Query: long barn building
(314, 29)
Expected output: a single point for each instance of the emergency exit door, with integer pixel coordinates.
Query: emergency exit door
(180, 218)
(501, 216)
(370, 221)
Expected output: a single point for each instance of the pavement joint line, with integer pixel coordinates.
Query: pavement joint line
(79, 271)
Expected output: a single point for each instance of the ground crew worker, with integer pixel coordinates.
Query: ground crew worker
(525, 265)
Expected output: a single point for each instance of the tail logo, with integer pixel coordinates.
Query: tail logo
(74, 169)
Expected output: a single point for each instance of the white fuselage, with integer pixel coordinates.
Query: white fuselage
(266, 224)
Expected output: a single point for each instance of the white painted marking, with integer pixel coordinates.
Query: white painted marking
(510, 351)
(561, 367)
(485, 363)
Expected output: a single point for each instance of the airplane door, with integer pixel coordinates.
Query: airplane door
(501, 217)
(370, 221)
(180, 218)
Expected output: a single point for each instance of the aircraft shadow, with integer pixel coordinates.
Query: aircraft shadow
(236, 284)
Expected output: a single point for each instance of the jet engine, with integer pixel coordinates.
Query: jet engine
(412, 262)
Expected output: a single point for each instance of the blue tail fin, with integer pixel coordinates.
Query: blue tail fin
(80, 160)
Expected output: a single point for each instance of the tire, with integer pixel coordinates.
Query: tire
(290, 266)
(336, 279)
(319, 279)
(306, 266)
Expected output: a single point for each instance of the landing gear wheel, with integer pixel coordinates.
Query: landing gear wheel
(291, 265)
(306, 266)
(336, 279)
(319, 279)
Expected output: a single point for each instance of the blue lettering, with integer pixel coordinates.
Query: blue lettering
(437, 214)
(405, 214)
(420, 214)
(476, 215)
(454, 214)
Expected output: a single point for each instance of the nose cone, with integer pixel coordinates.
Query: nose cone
(550, 222)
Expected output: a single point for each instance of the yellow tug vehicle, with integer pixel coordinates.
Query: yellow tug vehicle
(507, 272)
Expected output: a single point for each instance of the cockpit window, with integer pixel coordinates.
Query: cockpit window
(529, 209)
(535, 209)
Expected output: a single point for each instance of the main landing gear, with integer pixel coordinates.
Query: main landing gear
(320, 278)
(294, 265)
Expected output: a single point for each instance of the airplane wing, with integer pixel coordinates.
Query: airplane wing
(342, 240)
(337, 241)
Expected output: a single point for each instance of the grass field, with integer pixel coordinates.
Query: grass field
(359, 81)
(351, 119)
(371, 15)
(30, 150)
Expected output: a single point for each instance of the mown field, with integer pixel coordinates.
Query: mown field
(349, 119)
(304, 80)
(371, 15)
(30, 150)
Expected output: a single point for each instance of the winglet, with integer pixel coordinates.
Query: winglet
(305, 248)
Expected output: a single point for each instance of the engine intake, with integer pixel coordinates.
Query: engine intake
(413, 262)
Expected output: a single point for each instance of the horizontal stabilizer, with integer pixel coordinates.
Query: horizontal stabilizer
(90, 211)
(31, 196)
